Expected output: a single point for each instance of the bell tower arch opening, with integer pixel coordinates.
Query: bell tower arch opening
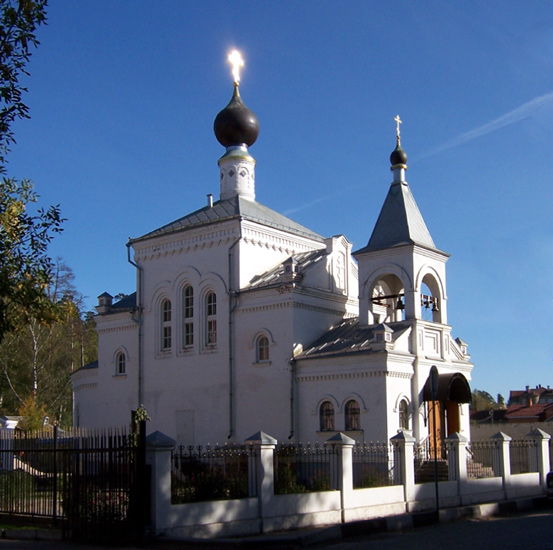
(431, 299)
(387, 302)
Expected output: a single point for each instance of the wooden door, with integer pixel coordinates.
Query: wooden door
(453, 418)
(435, 414)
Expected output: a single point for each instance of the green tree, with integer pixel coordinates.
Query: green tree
(37, 359)
(482, 401)
(25, 268)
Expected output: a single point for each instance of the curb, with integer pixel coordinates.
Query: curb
(335, 533)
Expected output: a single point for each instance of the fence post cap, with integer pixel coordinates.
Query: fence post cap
(341, 439)
(159, 439)
(403, 436)
(537, 433)
(261, 438)
(502, 436)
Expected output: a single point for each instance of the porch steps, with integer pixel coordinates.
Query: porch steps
(424, 472)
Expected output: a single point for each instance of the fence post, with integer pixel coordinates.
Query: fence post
(502, 457)
(404, 463)
(457, 458)
(539, 456)
(158, 456)
(343, 466)
(264, 446)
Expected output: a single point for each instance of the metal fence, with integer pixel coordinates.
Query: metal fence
(303, 468)
(92, 484)
(212, 473)
(372, 465)
(520, 450)
(480, 459)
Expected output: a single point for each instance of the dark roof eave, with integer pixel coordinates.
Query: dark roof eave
(366, 249)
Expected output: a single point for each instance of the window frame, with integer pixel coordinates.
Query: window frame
(352, 417)
(187, 317)
(210, 319)
(262, 353)
(327, 417)
(166, 318)
(120, 363)
(403, 410)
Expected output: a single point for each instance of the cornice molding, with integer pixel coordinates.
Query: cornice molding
(124, 328)
(352, 376)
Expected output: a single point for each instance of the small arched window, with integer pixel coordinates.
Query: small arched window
(326, 416)
(403, 415)
(166, 324)
(262, 349)
(211, 318)
(188, 315)
(353, 415)
(120, 363)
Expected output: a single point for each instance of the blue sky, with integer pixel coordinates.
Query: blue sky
(123, 96)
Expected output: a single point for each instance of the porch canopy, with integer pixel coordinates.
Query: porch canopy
(451, 387)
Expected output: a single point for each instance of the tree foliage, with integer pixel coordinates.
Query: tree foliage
(482, 401)
(25, 268)
(36, 360)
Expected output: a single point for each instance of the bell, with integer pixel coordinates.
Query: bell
(400, 304)
(435, 307)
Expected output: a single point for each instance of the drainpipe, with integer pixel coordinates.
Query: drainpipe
(233, 294)
(138, 320)
(292, 363)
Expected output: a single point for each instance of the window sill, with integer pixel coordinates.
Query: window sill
(121, 375)
(262, 364)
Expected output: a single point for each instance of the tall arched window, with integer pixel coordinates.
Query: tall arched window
(262, 349)
(166, 324)
(326, 416)
(353, 415)
(403, 415)
(211, 318)
(188, 316)
(120, 363)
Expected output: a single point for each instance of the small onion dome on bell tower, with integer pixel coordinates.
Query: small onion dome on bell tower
(398, 158)
(236, 127)
(236, 124)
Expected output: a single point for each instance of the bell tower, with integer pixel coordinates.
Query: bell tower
(401, 272)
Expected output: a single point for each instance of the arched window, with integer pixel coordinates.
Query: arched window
(326, 417)
(166, 324)
(353, 415)
(188, 316)
(211, 318)
(120, 363)
(403, 415)
(262, 349)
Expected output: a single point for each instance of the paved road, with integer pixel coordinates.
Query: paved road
(532, 530)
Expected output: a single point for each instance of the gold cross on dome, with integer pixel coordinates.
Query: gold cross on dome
(398, 122)
(236, 61)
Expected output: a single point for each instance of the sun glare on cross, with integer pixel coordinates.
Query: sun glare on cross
(236, 61)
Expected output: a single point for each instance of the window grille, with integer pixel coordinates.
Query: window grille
(327, 417)
(353, 415)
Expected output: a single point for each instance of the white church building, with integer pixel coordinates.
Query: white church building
(244, 320)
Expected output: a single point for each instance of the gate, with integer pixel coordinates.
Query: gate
(91, 484)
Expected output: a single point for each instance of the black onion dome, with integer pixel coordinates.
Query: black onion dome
(398, 156)
(236, 124)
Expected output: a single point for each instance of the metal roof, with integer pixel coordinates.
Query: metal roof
(304, 261)
(400, 222)
(228, 209)
(347, 337)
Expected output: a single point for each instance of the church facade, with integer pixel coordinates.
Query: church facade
(244, 320)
